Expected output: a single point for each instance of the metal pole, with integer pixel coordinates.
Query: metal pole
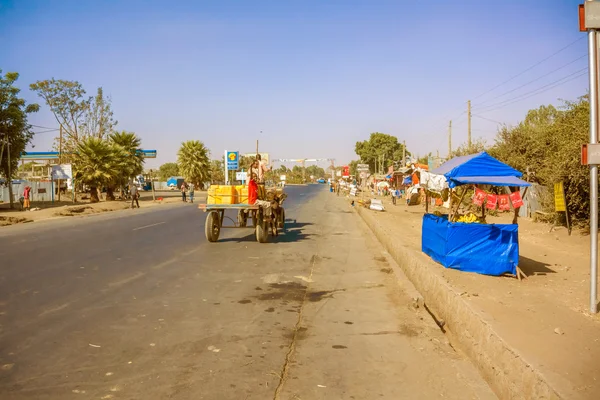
(593, 67)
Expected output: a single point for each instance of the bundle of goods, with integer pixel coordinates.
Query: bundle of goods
(469, 218)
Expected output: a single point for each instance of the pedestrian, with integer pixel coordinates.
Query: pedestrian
(135, 195)
(191, 192)
(27, 198)
(393, 196)
(183, 191)
(337, 189)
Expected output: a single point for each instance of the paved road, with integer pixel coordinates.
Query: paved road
(137, 305)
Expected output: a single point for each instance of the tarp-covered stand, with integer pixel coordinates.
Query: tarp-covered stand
(491, 249)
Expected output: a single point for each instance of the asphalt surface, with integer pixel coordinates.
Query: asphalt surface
(137, 304)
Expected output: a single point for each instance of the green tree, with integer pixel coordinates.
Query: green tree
(14, 128)
(96, 163)
(548, 144)
(217, 171)
(380, 147)
(168, 170)
(98, 116)
(79, 116)
(193, 162)
(126, 145)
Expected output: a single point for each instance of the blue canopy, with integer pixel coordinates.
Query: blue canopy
(479, 168)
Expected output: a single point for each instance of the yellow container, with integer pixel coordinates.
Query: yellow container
(213, 196)
(226, 195)
(242, 194)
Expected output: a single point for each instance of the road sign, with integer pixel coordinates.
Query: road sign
(362, 167)
(282, 177)
(559, 197)
(62, 171)
(363, 175)
(240, 176)
(233, 160)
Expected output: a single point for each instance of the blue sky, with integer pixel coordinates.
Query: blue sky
(313, 76)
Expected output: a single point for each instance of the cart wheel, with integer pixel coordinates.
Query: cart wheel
(254, 219)
(262, 234)
(242, 219)
(212, 226)
(281, 221)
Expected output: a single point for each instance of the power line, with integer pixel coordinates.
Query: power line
(532, 81)
(50, 130)
(487, 119)
(535, 93)
(43, 127)
(532, 91)
(530, 68)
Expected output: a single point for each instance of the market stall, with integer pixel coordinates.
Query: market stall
(472, 245)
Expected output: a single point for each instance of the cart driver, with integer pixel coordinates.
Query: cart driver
(253, 196)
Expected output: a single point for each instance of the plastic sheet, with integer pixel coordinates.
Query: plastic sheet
(481, 248)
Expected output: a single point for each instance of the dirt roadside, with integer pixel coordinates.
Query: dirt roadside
(48, 211)
(542, 321)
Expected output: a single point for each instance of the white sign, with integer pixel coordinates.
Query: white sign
(339, 173)
(282, 178)
(362, 167)
(63, 171)
(363, 175)
(241, 176)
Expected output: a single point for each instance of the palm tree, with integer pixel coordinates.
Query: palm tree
(193, 162)
(128, 143)
(96, 163)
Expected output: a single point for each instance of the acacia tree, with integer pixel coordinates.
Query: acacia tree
(379, 147)
(168, 170)
(15, 132)
(79, 116)
(193, 162)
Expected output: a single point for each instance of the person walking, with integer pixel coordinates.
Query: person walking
(183, 191)
(135, 195)
(191, 192)
(394, 196)
(27, 198)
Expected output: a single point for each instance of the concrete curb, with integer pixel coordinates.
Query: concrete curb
(502, 366)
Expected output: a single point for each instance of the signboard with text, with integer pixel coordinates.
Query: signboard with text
(233, 160)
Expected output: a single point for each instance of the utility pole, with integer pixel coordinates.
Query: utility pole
(469, 124)
(60, 156)
(450, 139)
(9, 177)
(404, 154)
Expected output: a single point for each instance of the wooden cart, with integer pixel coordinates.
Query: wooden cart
(216, 216)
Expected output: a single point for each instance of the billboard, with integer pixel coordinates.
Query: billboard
(62, 171)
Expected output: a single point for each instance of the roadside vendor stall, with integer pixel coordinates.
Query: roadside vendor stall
(471, 244)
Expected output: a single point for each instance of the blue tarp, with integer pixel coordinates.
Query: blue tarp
(485, 249)
(407, 180)
(479, 168)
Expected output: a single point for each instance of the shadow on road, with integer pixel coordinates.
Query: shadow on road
(293, 233)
